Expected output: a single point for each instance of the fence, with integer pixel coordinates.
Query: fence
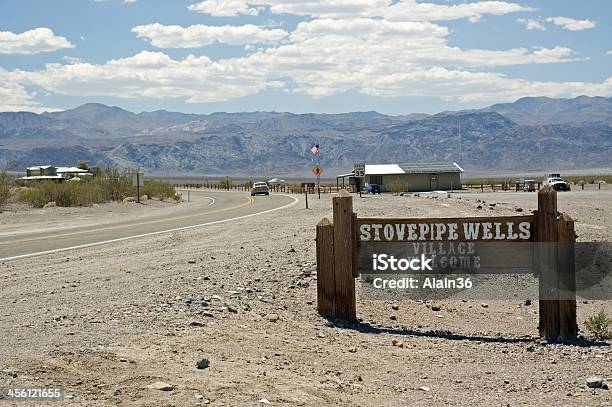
(286, 188)
(500, 186)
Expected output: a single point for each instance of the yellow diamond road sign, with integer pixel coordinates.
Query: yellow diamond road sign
(317, 170)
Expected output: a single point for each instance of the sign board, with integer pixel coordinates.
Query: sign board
(317, 170)
(459, 245)
(432, 256)
(138, 179)
(359, 170)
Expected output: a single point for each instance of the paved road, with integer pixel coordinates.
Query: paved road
(206, 208)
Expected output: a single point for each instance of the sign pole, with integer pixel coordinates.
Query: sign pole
(319, 174)
(138, 186)
(306, 195)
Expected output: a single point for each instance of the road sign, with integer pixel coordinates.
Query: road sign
(359, 170)
(138, 179)
(317, 170)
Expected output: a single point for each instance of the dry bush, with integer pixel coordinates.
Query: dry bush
(109, 185)
(7, 182)
(599, 326)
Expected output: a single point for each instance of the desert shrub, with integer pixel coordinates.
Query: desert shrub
(109, 185)
(599, 326)
(68, 193)
(116, 185)
(6, 184)
(226, 183)
(159, 189)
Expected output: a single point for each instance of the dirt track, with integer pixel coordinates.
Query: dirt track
(105, 322)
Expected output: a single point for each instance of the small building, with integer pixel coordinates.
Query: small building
(413, 177)
(41, 171)
(72, 172)
(50, 173)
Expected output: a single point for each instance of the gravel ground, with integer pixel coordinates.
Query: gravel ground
(109, 322)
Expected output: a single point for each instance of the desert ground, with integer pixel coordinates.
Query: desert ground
(112, 322)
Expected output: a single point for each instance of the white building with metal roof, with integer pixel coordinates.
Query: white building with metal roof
(410, 177)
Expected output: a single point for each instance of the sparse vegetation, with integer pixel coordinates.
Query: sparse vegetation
(82, 164)
(226, 183)
(159, 189)
(599, 326)
(6, 184)
(109, 185)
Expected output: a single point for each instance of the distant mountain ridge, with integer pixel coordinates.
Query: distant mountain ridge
(530, 134)
(544, 110)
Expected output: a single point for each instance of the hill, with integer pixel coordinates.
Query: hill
(527, 135)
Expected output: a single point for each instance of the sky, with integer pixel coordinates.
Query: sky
(391, 56)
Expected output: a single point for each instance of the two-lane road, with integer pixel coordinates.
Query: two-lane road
(218, 207)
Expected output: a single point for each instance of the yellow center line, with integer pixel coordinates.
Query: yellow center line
(250, 201)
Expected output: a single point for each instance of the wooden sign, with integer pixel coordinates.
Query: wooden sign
(340, 244)
(498, 229)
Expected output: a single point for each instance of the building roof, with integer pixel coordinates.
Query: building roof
(383, 169)
(412, 168)
(38, 167)
(41, 177)
(71, 170)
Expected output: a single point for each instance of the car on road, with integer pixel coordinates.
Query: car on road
(260, 188)
(373, 189)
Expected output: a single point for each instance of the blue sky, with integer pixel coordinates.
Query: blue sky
(391, 56)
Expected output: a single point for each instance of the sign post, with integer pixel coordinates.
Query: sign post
(138, 181)
(318, 170)
(359, 171)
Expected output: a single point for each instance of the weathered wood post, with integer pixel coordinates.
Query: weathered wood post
(326, 288)
(546, 262)
(568, 326)
(557, 268)
(344, 251)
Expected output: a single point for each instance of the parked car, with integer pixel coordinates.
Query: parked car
(372, 189)
(557, 183)
(260, 188)
(529, 185)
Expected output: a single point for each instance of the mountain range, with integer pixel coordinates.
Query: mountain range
(531, 134)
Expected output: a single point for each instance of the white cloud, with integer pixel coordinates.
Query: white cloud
(15, 98)
(571, 24)
(151, 74)
(404, 10)
(532, 24)
(396, 50)
(174, 36)
(31, 42)
(413, 10)
(225, 8)
(328, 8)
(321, 57)
(609, 52)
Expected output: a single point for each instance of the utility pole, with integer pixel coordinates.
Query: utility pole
(138, 186)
